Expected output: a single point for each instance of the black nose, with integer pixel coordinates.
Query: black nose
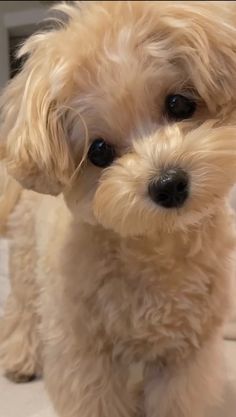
(170, 190)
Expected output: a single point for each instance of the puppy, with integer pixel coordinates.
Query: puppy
(127, 110)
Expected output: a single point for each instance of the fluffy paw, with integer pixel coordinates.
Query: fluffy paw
(19, 378)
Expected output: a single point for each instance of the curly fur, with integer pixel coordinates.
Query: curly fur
(109, 282)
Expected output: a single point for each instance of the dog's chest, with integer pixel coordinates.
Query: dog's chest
(147, 299)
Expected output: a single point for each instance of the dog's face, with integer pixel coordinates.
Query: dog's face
(128, 109)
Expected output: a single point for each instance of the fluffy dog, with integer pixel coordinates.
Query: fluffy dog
(127, 110)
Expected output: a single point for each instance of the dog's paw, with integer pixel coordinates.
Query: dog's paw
(19, 378)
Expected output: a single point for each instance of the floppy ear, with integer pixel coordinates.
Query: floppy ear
(33, 136)
(207, 48)
(201, 39)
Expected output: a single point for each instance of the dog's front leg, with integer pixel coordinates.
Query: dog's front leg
(87, 385)
(187, 389)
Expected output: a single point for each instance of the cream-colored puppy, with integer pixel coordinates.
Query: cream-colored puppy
(128, 110)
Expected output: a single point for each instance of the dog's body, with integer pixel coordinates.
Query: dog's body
(115, 279)
(120, 315)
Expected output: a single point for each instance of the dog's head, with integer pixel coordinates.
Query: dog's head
(128, 109)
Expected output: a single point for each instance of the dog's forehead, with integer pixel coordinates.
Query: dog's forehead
(118, 82)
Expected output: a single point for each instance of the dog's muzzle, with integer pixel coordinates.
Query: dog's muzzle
(171, 189)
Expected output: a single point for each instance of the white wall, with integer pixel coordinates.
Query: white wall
(17, 17)
(13, 6)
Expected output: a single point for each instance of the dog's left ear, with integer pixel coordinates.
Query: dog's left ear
(33, 136)
(202, 40)
(211, 34)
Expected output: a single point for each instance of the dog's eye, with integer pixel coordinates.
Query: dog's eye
(179, 107)
(101, 153)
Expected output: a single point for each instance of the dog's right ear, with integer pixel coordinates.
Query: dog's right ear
(32, 126)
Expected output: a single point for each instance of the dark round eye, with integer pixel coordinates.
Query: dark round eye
(179, 107)
(101, 153)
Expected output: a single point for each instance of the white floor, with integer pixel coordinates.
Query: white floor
(24, 400)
